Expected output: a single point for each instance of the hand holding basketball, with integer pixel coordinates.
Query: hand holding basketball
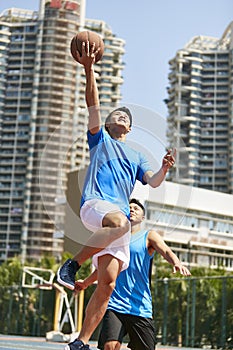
(88, 41)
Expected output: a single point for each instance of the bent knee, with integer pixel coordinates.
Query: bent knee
(107, 287)
(112, 345)
(117, 220)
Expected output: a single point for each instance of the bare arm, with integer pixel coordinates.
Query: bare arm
(155, 179)
(155, 242)
(92, 96)
(83, 284)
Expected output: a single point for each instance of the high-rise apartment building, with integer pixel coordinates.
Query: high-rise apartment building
(43, 119)
(200, 112)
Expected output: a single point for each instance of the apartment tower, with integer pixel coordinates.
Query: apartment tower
(200, 112)
(43, 120)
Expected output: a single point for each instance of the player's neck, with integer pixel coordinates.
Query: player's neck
(118, 134)
(119, 137)
(135, 228)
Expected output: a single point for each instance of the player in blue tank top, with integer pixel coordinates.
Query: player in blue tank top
(113, 171)
(130, 305)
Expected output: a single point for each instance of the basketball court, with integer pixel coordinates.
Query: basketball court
(10, 342)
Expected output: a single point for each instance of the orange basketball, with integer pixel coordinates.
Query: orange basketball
(92, 37)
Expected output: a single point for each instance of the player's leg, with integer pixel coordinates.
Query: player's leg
(112, 345)
(115, 225)
(108, 270)
(112, 332)
(141, 332)
(108, 224)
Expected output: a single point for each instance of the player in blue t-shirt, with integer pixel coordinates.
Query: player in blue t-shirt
(112, 174)
(130, 305)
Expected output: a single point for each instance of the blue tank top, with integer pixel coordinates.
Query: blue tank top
(132, 293)
(113, 170)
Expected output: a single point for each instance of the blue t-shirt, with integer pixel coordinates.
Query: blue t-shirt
(113, 170)
(132, 293)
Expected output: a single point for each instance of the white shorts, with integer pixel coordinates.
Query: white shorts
(92, 213)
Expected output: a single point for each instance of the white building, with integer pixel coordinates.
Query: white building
(196, 223)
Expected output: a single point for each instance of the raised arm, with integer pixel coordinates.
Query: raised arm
(92, 95)
(155, 179)
(155, 242)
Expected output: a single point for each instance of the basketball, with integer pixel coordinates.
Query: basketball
(92, 37)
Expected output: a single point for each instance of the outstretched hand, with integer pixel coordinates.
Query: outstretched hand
(182, 269)
(169, 159)
(89, 53)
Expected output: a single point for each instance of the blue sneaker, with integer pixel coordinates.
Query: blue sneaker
(66, 273)
(77, 344)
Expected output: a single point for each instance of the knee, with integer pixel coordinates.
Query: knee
(112, 345)
(122, 223)
(118, 220)
(109, 287)
(106, 289)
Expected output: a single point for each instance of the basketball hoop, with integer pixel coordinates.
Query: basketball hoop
(36, 277)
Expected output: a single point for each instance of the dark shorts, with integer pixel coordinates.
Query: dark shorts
(115, 326)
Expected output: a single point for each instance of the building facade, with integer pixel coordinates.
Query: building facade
(43, 120)
(200, 112)
(196, 223)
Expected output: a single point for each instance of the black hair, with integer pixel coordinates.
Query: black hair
(123, 109)
(136, 201)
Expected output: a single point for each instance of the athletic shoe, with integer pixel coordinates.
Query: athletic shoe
(66, 273)
(77, 344)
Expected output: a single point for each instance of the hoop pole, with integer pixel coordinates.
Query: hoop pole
(56, 310)
(80, 310)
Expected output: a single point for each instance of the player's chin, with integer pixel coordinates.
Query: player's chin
(123, 125)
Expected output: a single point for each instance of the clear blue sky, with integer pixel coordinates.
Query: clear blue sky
(154, 30)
